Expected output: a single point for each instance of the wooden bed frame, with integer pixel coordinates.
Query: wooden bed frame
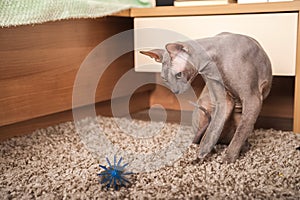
(38, 65)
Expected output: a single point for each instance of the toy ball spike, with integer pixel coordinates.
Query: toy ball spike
(113, 175)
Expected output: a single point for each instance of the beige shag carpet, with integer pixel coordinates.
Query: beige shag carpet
(53, 163)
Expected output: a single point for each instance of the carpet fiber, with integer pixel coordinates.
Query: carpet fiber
(53, 163)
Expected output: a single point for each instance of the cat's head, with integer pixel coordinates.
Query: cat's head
(177, 69)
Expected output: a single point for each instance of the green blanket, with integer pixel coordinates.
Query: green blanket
(21, 12)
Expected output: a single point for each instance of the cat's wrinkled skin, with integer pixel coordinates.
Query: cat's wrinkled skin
(237, 72)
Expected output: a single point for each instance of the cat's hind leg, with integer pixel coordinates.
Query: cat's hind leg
(250, 111)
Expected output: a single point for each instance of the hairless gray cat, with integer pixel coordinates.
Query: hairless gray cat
(238, 77)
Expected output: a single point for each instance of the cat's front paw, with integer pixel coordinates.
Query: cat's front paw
(230, 157)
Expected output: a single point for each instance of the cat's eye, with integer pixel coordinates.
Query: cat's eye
(178, 75)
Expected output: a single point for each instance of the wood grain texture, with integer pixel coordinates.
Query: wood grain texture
(138, 101)
(213, 10)
(297, 86)
(38, 65)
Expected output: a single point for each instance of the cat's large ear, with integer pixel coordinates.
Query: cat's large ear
(174, 48)
(157, 54)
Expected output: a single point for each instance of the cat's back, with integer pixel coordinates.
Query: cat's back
(229, 47)
(228, 41)
(239, 57)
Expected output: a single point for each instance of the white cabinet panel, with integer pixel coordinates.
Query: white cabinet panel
(277, 33)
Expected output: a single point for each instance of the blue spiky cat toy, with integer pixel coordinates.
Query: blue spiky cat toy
(113, 175)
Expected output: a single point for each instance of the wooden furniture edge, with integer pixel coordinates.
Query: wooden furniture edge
(232, 8)
(296, 128)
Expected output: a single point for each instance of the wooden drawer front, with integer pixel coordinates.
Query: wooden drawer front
(276, 32)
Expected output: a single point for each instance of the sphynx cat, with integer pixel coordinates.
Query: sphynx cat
(238, 77)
